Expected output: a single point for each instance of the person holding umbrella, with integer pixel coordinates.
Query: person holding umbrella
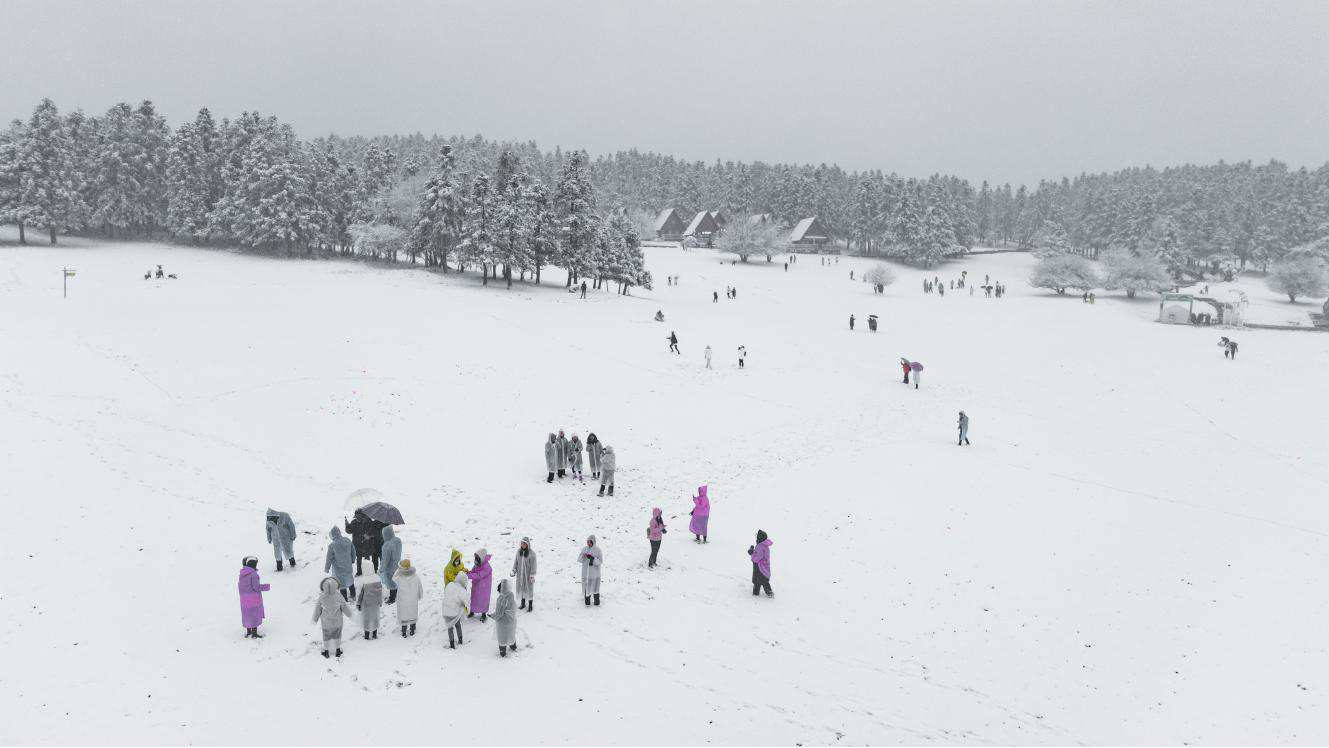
(917, 368)
(367, 537)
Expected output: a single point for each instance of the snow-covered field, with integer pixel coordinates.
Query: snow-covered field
(1134, 550)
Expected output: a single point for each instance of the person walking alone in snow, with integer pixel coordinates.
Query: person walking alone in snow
(482, 585)
(523, 570)
(391, 557)
(370, 605)
(251, 597)
(281, 534)
(591, 560)
(593, 452)
(338, 562)
(742, 356)
(329, 610)
(455, 596)
(409, 592)
(964, 429)
(761, 564)
(551, 457)
(673, 342)
(655, 531)
(707, 354)
(608, 462)
(583, 289)
(505, 620)
(701, 515)
(574, 457)
(851, 323)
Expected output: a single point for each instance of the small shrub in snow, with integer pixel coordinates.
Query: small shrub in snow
(1134, 273)
(880, 276)
(1062, 271)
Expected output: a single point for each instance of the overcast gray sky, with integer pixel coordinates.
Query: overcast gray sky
(1004, 91)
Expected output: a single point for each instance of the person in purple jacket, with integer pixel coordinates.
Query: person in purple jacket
(655, 531)
(251, 598)
(482, 584)
(761, 564)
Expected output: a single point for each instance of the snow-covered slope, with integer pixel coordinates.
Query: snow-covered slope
(1134, 549)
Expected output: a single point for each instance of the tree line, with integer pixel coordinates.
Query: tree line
(251, 182)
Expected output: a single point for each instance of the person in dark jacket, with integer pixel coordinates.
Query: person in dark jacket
(761, 564)
(367, 537)
(673, 342)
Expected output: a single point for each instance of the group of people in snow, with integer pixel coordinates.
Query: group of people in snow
(466, 592)
(563, 458)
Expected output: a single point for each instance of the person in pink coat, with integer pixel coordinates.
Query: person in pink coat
(761, 564)
(701, 515)
(482, 578)
(655, 533)
(251, 598)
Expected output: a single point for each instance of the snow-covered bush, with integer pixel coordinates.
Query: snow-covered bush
(378, 239)
(880, 276)
(1062, 271)
(745, 239)
(1135, 273)
(1301, 276)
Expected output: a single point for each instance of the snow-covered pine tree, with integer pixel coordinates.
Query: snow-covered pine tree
(436, 230)
(193, 177)
(478, 242)
(575, 201)
(513, 224)
(48, 195)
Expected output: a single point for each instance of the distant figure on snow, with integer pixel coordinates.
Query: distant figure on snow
(608, 463)
(329, 610)
(904, 364)
(551, 456)
(707, 354)
(482, 585)
(918, 372)
(593, 451)
(455, 596)
(964, 429)
(591, 560)
(673, 342)
(409, 592)
(583, 289)
(761, 564)
(742, 356)
(851, 323)
(523, 570)
(1229, 352)
(370, 605)
(715, 297)
(562, 456)
(251, 597)
(281, 534)
(505, 620)
(659, 315)
(391, 557)
(701, 515)
(341, 554)
(655, 531)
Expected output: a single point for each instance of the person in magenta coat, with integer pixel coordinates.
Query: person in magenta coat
(701, 515)
(482, 576)
(761, 564)
(654, 534)
(251, 598)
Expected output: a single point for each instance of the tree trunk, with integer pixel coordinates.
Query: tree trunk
(507, 273)
(22, 234)
(52, 230)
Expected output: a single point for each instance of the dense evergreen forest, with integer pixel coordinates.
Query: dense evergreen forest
(507, 209)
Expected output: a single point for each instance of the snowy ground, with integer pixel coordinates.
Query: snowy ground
(1134, 549)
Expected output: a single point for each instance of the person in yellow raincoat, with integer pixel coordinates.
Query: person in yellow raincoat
(454, 568)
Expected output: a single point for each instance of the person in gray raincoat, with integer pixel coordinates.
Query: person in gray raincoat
(562, 456)
(608, 463)
(389, 560)
(593, 452)
(328, 612)
(281, 534)
(523, 569)
(505, 620)
(964, 429)
(339, 561)
(574, 457)
(370, 605)
(591, 560)
(551, 457)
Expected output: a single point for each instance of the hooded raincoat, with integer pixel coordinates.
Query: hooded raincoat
(574, 453)
(608, 463)
(341, 556)
(370, 604)
(505, 616)
(562, 447)
(281, 534)
(455, 597)
(251, 598)
(761, 559)
(551, 453)
(391, 557)
(329, 611)
(409, 592)
(591, 560)
(593, 451)
(482, 583)
(701, 512)
(523, 569)
(454, 567)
